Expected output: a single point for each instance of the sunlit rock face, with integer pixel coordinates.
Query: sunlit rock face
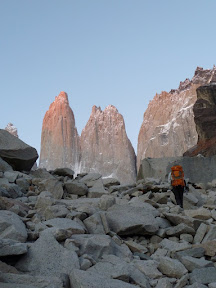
(11, 129)
(105, 146)
(168, 127)
(205, 119)
(60, 143)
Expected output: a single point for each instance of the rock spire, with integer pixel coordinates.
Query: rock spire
(105, 146)
(102, 148)
(60, 143)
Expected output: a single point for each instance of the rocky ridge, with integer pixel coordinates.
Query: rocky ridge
(168, 127)
(60, 231)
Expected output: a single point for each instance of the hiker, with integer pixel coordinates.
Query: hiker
(176, 179)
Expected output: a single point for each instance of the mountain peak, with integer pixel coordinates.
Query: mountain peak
(59, 138)
(62, 97)
(111, 108)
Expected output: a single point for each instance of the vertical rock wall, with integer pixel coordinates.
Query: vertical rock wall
(205, 119)
(168, 127)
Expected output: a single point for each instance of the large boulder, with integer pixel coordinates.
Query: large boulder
(130, 220)
(99, 245)
(4, 166)
(11, 280)
(114, 267)
(203, 275)
(12, 227)
(172, 267)
(47, 257)
(53, 186)
(85, 279)
(10, 247)
(16, 153)
(66, 224)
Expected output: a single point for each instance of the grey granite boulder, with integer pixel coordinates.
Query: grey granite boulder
(15, 285)
(47, 257)
(76, 188)
(10, 247)
(179, 229)
(200, 233)
(136, 247)
(195, 252)
(66, 224)
(64, 172)
(44, 200)
(200, 213)
(12, 227)
(97, 190)
(203, 275)
(53, 186)
(11, 176)
(192, 263)
(6, 268)
(13, 190)
(211, 234)
(130, 220)
(41, 173)
(178, 219)
(87, 279)
(55, 211)
(171, 267)
(174, 246)
(121, 188)
(148, 208)
(28, 281)
(94, 224)
(4, 166)
(23, 184)
(99, 245)
(149, 268)
(19, 155)
(106, 201)
(114, 267)
(89, 179)
(163, 223)
(107, 182)
(210, 248)
(164, 282)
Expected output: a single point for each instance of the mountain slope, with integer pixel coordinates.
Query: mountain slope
(168, 127)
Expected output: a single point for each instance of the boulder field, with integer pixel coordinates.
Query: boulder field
(57, 230)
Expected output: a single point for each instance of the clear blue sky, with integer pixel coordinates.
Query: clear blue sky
(101, 52)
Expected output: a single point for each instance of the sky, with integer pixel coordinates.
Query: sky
(100, 52)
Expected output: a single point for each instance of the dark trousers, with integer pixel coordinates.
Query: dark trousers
(178, 192)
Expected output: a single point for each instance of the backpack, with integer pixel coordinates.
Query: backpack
(177, 175)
